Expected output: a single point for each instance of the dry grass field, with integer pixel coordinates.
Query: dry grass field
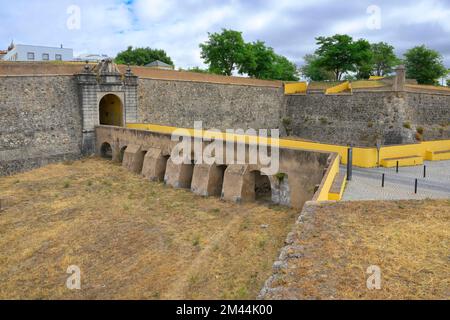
(408, 240)
(131, 238)
(134, 239)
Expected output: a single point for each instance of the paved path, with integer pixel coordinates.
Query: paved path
(366, 183)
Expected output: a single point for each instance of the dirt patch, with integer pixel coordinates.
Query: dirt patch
(131, 238)
(337, 242)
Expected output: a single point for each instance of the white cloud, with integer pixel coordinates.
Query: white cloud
(109, 26)
(154, 10)
(431, 11)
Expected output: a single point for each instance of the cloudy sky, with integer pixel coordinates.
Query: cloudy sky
(178, 26)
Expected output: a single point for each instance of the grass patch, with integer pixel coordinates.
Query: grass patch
(131, 238)
(408, 240)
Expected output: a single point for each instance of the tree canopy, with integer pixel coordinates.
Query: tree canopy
(341, 54)
(142, 56)
(258, 60)
(313, 71)
(425, 65)
(224, 51)
(227, 51)
(283, 69)
(384, 58)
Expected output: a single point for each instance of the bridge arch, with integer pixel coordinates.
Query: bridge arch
(122, 153)
(106, 151)
(262, 186)
(111, 111)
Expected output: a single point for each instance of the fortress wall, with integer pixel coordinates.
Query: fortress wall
(221, 106)
(365, 115)
(430, 111)
(356, 119)
(40, 121)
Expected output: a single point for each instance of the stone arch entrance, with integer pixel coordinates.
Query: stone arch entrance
(111, 111)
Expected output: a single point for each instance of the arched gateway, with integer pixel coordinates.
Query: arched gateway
(111, 111)
(108, 97)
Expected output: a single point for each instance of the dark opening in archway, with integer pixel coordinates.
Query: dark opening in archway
(106, 151)
(221, 173)
(188, 174)
(140, 162)
(163, 167)
(122, 154)
(111, 111)
(263, 189)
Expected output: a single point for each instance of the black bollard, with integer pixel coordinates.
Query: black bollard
(397, 167)
(424, 171)
(415, 187)
(349, 164)
(382, 181)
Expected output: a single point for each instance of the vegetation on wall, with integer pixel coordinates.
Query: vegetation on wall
(196, 70)
(227, 52)
(142, 56)
(383, 59)
(224, 52)
(425, 65)
(339, 58)
(313, 71)
(340, 54)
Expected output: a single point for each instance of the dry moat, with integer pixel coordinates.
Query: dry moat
(135, 239)
(131, 238)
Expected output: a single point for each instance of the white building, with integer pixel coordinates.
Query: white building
(22, 52)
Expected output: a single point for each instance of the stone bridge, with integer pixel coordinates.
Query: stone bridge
(149, 153)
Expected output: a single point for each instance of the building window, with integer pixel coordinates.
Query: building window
(58, 57)
(30, 55)
(45, 56)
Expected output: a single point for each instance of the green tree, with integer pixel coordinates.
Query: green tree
(313, 71)
(263, 63)
(224, 52)
(363, 56)
(383, 59)
(363, 71)
(283, 69)
(142, 56)
(340, 54)
(196, 70)
(258, 60)
(425, 65)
